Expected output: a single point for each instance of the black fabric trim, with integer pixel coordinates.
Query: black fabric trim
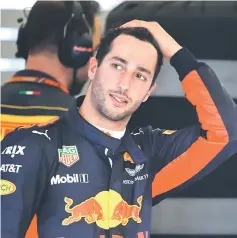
(184, 62)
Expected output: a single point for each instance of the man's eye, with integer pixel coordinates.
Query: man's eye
(140, 77)
(117, 66)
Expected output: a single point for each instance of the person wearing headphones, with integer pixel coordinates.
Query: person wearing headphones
(56, 41)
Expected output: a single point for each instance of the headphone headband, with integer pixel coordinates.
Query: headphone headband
(75, 47)
(77, 12)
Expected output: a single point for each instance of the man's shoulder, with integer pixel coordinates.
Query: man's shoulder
(150, 131)
(148, 137)
(35, 134)
(35, 140)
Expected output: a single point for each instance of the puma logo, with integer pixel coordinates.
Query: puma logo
(41, 133)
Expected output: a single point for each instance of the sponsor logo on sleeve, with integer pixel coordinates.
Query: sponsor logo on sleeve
(14, 150)
(11, 168)
(7, 187)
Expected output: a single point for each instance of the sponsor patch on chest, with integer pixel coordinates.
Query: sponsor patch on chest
(68, 155)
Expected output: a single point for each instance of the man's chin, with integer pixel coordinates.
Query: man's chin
(115, 116)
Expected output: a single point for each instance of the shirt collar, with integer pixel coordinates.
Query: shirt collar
(82, 126)
(126, 144)
(34, 73)
(115, 134)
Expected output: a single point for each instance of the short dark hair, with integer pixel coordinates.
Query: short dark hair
(46, 21)
(140, 33)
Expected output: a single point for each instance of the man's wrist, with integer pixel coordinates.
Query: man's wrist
(184, 62)
(174, 50)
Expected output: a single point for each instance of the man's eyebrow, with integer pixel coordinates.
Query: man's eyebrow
(120, 59)
(144, 70)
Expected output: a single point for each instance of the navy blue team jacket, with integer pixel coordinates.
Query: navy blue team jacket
(62, 173)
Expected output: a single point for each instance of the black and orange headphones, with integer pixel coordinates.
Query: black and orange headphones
(75, 48)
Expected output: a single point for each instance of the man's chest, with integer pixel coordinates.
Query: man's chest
(91, 184)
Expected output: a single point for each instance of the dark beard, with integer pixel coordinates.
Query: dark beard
(98, 99)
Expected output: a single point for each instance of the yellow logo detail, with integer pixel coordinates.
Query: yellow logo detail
(7, 187)
(107, 209)
(169, 132)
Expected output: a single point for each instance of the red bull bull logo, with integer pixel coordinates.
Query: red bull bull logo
(123, 212)
(96, 209)
(90, 210)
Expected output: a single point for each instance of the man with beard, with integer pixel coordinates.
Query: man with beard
(86, 173)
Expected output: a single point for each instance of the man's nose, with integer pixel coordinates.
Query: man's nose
(125, 81)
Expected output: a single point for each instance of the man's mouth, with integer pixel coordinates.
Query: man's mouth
(119, 100)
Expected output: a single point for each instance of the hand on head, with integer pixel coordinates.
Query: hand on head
(168, 45)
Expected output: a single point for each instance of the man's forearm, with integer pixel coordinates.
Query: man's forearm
(216, 110)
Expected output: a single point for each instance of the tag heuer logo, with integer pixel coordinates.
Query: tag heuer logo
(68, 155)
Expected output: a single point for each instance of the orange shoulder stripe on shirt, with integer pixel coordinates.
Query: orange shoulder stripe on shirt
(202, 151)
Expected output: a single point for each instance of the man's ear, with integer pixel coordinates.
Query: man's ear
(149, 92)
(93, 64)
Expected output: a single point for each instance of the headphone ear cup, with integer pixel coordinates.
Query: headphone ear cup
(81, 50)
(75, 50)
(76, 47)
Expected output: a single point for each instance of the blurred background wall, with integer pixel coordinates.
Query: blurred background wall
(209, 30)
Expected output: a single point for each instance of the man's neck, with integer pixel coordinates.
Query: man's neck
(50, 64)
(112, 133)
(91, 114)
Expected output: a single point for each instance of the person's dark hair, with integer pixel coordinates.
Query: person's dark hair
(46, 21)
(140, 33)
